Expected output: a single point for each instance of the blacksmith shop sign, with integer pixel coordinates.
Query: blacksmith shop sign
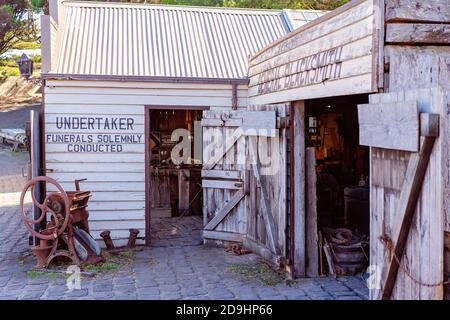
(316, 68)
(98, 134)
(331, 56)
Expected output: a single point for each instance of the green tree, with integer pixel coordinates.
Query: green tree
(40, 6)
(16, 23)
(262, 4)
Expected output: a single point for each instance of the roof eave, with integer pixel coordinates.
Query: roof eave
(93, 77)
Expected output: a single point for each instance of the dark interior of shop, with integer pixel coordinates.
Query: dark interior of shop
(342, 172)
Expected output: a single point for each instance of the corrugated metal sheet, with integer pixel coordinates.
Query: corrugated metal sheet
(299, 18)
(163, 41)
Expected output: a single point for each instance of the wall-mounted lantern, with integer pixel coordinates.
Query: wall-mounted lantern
(25, 65)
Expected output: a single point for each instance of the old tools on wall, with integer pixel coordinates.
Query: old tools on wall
(62, 228)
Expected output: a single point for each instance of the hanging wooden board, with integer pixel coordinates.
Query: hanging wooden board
(389, 125)
(260, 123)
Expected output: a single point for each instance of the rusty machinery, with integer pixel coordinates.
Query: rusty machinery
(66, 233)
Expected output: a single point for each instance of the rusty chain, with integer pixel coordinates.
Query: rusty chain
(388, 245)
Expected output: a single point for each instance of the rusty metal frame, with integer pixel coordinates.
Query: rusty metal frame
(147, 109)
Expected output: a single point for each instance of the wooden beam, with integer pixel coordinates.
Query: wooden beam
(224, 236)
(312, 238)
(263, 251)
(417, 33)
(223, 184)
(225, 210)
(409, 195)
(429, 125)
(268, 218)
(417, 10)
(298, 189)
(222, 174)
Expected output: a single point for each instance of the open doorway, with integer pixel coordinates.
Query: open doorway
(173, 175)
(342, 183)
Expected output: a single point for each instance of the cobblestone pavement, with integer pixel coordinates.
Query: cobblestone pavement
(178, 272)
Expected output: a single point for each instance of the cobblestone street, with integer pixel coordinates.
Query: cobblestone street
(175, 272)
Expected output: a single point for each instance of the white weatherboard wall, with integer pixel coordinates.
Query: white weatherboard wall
(116, 179)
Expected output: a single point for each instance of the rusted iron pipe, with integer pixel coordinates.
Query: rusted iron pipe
(132, 238)
(106, 235)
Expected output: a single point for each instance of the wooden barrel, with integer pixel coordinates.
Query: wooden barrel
(350, 259)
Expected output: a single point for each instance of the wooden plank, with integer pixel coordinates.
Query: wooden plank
(312, 250)
(298, 176)
(183, 191)
(228, 122)
(223, 184)
(429, 125)
(417, 33)
(127, 99)
(94, 167)
(225, 210)
(412, 186)
(389, 125)
(268, 218)
(104, 186)
(98, 176)
(263, 251)
(224, 236)
(54, 157)
(259, 123)
(417, 10)
(106, 224)
(222, 174)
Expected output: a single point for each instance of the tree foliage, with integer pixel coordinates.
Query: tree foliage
(262, 4)
(16, 23)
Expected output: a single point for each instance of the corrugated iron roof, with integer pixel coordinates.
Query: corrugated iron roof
(164, 41)
(299, 18)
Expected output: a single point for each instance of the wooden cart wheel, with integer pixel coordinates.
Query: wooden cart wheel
(55, 203)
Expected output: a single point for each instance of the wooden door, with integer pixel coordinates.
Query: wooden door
(224, 176)
(244, 178)
(407, 180)
(267, 203)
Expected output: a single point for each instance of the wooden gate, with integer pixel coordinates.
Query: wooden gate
(224, 176)
(408, 168)
(244, 178)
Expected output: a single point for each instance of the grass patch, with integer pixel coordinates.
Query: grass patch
(113, 262)
(102, 267)
(48, 274)
(260, 272)
(127, 254)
